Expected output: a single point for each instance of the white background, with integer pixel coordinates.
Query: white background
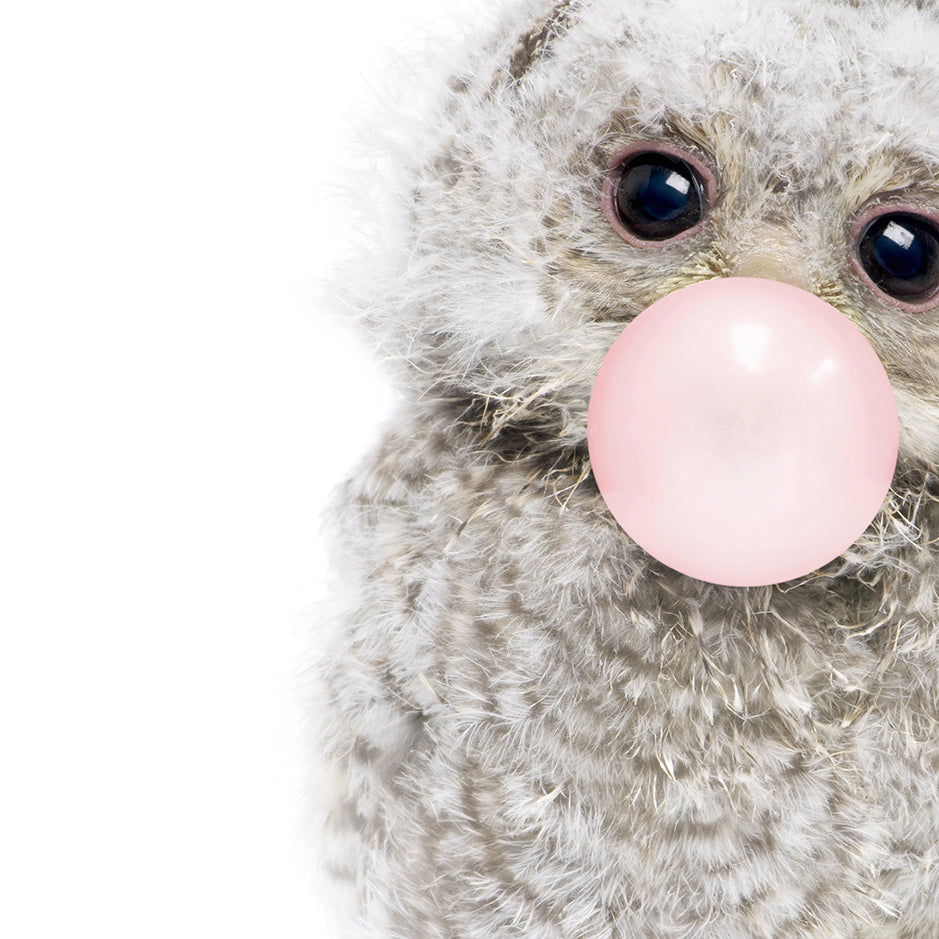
(174, 408)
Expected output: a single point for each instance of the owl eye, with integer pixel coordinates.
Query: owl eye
(898, 251)
(657, 196)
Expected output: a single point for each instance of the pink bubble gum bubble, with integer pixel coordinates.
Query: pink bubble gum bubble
(743, 431)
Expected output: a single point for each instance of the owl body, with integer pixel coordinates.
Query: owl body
(537, 729)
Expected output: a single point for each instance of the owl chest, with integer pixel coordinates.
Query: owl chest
(742, 791)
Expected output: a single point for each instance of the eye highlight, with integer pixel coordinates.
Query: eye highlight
(655, 194)
(896, 252)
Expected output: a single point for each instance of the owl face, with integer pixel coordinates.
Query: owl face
(600, 155)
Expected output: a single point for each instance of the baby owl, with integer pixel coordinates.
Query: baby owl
(535, 728)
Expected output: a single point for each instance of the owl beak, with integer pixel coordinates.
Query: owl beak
(769, 265)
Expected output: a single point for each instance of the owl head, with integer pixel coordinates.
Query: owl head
(794, 134)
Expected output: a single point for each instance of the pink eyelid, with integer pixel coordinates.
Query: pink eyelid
(607, 198)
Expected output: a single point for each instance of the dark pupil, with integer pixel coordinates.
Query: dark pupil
(663, 193)
(658, 196)
(899, 253)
